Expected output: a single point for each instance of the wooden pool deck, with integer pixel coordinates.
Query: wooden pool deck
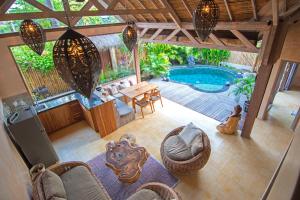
(214, 105)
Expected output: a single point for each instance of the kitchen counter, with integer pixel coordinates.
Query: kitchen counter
(93, 102)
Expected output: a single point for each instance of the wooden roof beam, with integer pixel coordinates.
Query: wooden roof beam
(132, 6)
(37, 15)
(216, 40)
(156, 6)
(86, 6)
(6, 5)
(172, 12)
(113, 4)
(45, 9)
(203, 45)
(156, 34)
(228, 10)
(254, 10)
(96, 3)
(290, 11)
(242, 26)
(187, 7)
(169, 37)
(192, 39)
(275, 12)
(143, 6)
(143, 32)
(244, 40)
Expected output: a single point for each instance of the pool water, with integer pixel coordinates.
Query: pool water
(204, 78)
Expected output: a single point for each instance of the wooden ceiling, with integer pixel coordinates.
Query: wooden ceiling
(242, 22)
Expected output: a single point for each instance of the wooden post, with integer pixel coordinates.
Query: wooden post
(271, 89)
(271, 53)
(137, 63)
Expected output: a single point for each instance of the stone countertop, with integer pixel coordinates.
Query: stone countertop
(94, 101)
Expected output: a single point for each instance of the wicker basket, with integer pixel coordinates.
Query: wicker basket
(164, 191)
(187, 166)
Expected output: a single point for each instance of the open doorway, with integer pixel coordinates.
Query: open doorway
(284, 105)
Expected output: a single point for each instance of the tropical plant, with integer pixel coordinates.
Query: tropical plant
(114, 74)
(26, 58)
(214, 56)
(244, 86)
(156, 62)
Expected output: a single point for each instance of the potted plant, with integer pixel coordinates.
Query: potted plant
(245, 86)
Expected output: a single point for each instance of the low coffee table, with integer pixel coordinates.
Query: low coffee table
(126, 159)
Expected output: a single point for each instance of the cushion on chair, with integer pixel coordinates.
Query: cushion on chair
(145, 194)
(176, 149)
(114, 89)
(189, 133)
(187, 144)
(80, 184)
(48, 186)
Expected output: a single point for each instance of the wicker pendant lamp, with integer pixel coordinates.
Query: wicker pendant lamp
(205, 18)
(33, 35)
(130, 36)
(77, 61)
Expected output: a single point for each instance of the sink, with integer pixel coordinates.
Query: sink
(40, 107)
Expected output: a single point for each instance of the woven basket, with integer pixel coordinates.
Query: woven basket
(164, 191)
(187, 166)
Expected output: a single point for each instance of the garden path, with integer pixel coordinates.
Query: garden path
(214, 105)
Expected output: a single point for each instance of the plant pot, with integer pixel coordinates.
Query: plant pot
(246, 106)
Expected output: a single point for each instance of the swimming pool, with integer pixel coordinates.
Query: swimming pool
(204, 78)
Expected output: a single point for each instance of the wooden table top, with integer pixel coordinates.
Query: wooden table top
(126, 160)
(138, 89)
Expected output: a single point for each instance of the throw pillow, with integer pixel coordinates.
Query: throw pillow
(176, 149)
(48, 186)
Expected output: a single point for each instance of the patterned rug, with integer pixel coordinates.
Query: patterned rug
(152, 171)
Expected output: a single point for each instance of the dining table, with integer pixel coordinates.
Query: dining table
(139, 89)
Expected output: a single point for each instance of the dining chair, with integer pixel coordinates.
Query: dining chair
(155, 96)
(144, 102)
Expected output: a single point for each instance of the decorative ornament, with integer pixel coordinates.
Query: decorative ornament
(77, 61)
(130, 36)
(205, 18)
(33, 35)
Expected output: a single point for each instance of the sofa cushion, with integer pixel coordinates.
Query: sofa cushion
(48, 186)
(187, 144)
(145, 194)
(80, 184)
(176, 149)
(189, 133)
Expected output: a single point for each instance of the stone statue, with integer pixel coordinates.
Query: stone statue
(231, 124)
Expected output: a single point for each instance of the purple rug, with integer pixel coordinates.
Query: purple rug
(152, 171)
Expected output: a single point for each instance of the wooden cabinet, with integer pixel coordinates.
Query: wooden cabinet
(102, 118)
(60, 117)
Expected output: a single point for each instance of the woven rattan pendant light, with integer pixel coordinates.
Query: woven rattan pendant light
(77, 61)
(205, 18)
(130, 36)
(33, 35)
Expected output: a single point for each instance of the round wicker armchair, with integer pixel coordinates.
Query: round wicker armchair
(164, 191)
(187, 166)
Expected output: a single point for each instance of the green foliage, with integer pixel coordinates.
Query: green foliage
(20, 6)
(110, 75)
(156, 62)
(180, 54)
(244, 86)
(26, 58)
(213, 56)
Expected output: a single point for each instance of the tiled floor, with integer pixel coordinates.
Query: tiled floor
(238, 168)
